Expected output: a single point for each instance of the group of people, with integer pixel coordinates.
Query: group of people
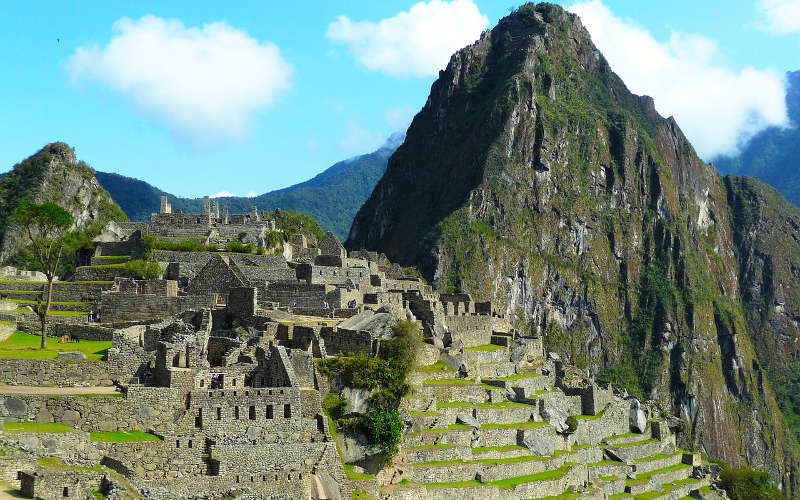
(93, 316)
(329, 306)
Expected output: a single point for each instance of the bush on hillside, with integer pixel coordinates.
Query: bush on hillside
(743, 483)
(239, 247)
(144, 270)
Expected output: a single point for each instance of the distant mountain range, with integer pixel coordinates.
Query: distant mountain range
(773, 155)
(332, 197)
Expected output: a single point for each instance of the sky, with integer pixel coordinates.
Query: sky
(208, 97)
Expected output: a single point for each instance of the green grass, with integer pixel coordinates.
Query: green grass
(540, 476)
(525, 458)
(22, 310)
(497, 404)
(439, 366)
(57, 463)
(607, 478)
(645, 476)
(618, 436)
(63, 303)
(348, 470)
(426, 413)
(48, 427)
(7, 323)
(516, 376)
(666, 488)
(487, 347)
(515, 425)
(113, 257)
(605, 462)
(448, 381)
(656, 457)
(451, 427)
(635, 443)
(26, 346)
(122, 436)
(438, 463)
(484, 449)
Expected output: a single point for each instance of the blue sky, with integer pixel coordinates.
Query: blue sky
(247, 97)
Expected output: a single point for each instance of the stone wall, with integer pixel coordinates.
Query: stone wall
(51, 372)
(272, 275)
(340, 340)
(101, 273)
(299, 295)
(61, 483)
(473, 330)
(326, 275)
(84, 413)
(128, 307)
(89, 331)
(259, 413)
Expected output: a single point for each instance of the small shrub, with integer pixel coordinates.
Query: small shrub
(144, 270)
(384, 428)
(334, 406)
(261, 250)
(744, 484)
(572, 424)
(238, 247)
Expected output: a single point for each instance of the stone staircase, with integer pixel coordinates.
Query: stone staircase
(495, 434)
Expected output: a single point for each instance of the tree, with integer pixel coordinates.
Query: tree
(45, 226)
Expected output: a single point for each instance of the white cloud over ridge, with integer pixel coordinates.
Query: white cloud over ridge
(206, 83)
(228, 194)
(779, 16)
(715, 104)
(414, 43)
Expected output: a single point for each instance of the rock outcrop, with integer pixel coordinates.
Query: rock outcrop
(54, 174)
(534, 178)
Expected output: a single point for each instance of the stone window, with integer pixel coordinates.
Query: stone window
(65, 492)
(236, 413)
(190, 443)
(233, 382)
(202, 382)
(269, 411)
(287, 411)
(218, 416)
(177, 443)
(252, 413)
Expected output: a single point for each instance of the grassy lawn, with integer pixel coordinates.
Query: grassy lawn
(426, 413)
(348, 470)
(451, 427)
(516, 425)
(122, 436)
(57, 463)
(429, 446)
(497, 404)
(447, 381)
(439, 366)
(22, 310)
(517, 376)
(26, 346)
(487, 347)
(49, 427)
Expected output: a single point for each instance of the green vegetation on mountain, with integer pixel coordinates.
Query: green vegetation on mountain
(332, 197)
(773, 155)
(532, 177)
(53, 174)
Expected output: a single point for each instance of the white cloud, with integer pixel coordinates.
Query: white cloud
(417, 42)
(716, 104)
(779, 16)
(358, 140)
(251, 194)
(222, 194)
(205, 83)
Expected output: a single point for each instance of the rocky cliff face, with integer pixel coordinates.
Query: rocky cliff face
(54, 174)
(534, 178)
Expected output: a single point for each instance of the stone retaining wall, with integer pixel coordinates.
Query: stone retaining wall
(51, 372)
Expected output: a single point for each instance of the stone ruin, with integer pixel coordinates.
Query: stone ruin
(218, 363)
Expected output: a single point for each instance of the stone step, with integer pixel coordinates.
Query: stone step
(430, 453)
(418, 377)
(648, 481)
(429, 419)
(454, 434)
(527, 383)
(485, 470)
(486, 354)
(412, 402)
(605, 468)
(588, 454)
(659, 461)
(673, 490)
(485, 413)
(509, 451)
(453, 390)
(640, 449)
(496, 369)
(628, 437)
(611, 484)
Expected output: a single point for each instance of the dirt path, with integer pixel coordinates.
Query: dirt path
(28, 389)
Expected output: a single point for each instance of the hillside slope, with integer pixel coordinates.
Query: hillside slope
(331, 197)
(534, 178)
(54, 174)
(773, 155)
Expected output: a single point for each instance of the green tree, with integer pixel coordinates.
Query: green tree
(44, 225)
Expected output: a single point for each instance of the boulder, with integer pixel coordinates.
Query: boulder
(556, 417)
(638, 419)
(467, 419)
(17, 407)
(410, 316)
(70, 417)
(71, 356)
(539, 445)
(355, 448)
(357, 401)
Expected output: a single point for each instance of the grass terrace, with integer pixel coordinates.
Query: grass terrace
(351, 474)
(467, 404)
(448, 381)
(122, 437)
(23, 345)
(487, 347)
(57, 463)
(451, 427)
(517, 376)
(508, 483)
(439, 366)
(634, 443)
(516, 425)
(645, 476)
(486, 449)
(43, 427)
(22, 310)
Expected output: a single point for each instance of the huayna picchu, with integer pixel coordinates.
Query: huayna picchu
(548, 295)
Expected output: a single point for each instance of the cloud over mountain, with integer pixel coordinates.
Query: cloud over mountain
(716, 104)
(206, 83)
(413, 43)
